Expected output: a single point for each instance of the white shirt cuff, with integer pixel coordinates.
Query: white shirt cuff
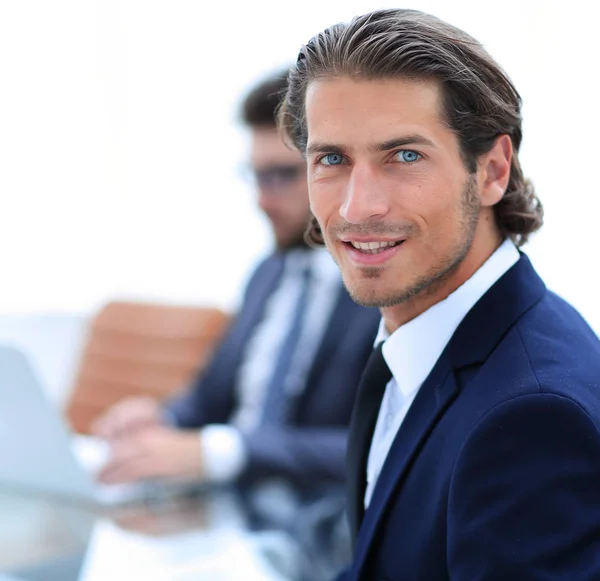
(224, 454)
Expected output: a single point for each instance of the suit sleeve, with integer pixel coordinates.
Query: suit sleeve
(201, 403)
(309, 455)
(524, 500)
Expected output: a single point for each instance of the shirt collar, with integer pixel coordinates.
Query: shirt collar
(413, 349)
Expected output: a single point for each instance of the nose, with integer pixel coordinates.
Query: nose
(262, 201)
(266, 200)
(365, 197)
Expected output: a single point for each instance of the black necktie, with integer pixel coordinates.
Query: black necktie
(362, 425)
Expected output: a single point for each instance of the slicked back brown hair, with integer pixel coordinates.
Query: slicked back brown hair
(479, 102)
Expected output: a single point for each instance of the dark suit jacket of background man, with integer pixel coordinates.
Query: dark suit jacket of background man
(495, 473)
(311, 449)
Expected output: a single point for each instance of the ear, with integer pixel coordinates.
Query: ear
(493, 171)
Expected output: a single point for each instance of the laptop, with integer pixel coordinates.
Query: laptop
(38, 452)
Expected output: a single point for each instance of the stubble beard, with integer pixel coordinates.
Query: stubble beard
(429, 283)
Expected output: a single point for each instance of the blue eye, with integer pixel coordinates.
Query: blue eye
(407, 156)
(332, 159)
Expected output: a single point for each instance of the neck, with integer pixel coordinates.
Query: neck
(481, 249)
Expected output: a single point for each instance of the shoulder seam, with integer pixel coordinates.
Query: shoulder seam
(537, 380)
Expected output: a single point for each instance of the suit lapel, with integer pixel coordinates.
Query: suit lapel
(434, 397)
(328, 346)
(345, 315)
(338, 320)
(261, 287)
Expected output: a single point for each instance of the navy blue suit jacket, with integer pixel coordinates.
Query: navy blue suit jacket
(495, 472)
(310, 451)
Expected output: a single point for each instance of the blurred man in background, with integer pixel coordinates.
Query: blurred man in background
(275, 403)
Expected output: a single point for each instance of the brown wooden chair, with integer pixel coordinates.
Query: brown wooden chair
(141, 349)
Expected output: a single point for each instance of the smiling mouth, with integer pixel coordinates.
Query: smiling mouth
(374, 247)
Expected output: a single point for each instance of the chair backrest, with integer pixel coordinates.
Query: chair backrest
(141, 349)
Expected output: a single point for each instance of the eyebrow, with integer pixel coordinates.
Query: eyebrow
(323, 148)
(414, 139)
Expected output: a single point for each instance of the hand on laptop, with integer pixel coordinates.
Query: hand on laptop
(127, 417)
(155, 452)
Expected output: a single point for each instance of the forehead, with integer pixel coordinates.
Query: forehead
(268, 148)
(345, 110)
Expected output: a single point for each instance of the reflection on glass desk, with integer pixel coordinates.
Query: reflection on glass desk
(203, 537)
(35, 531)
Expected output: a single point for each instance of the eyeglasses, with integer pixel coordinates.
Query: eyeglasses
(275, 178)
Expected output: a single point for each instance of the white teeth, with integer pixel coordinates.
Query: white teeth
(373, 247)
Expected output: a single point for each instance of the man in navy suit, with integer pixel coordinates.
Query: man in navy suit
(474, 447)
(275, 402)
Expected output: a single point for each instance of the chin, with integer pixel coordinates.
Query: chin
(366, 300)
(363, 293)
(371, 293)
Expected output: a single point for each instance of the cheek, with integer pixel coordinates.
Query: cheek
(295, 213)
(435, 208)
(300, 199)
(324, 202)
(317, 201)
(420, 203)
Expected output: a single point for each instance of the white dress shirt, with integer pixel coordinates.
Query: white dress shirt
(223, 451)
(413, 349)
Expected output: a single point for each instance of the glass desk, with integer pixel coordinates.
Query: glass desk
(37, 532)
(203, 537)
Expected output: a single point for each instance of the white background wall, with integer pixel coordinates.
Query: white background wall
(120, 149)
